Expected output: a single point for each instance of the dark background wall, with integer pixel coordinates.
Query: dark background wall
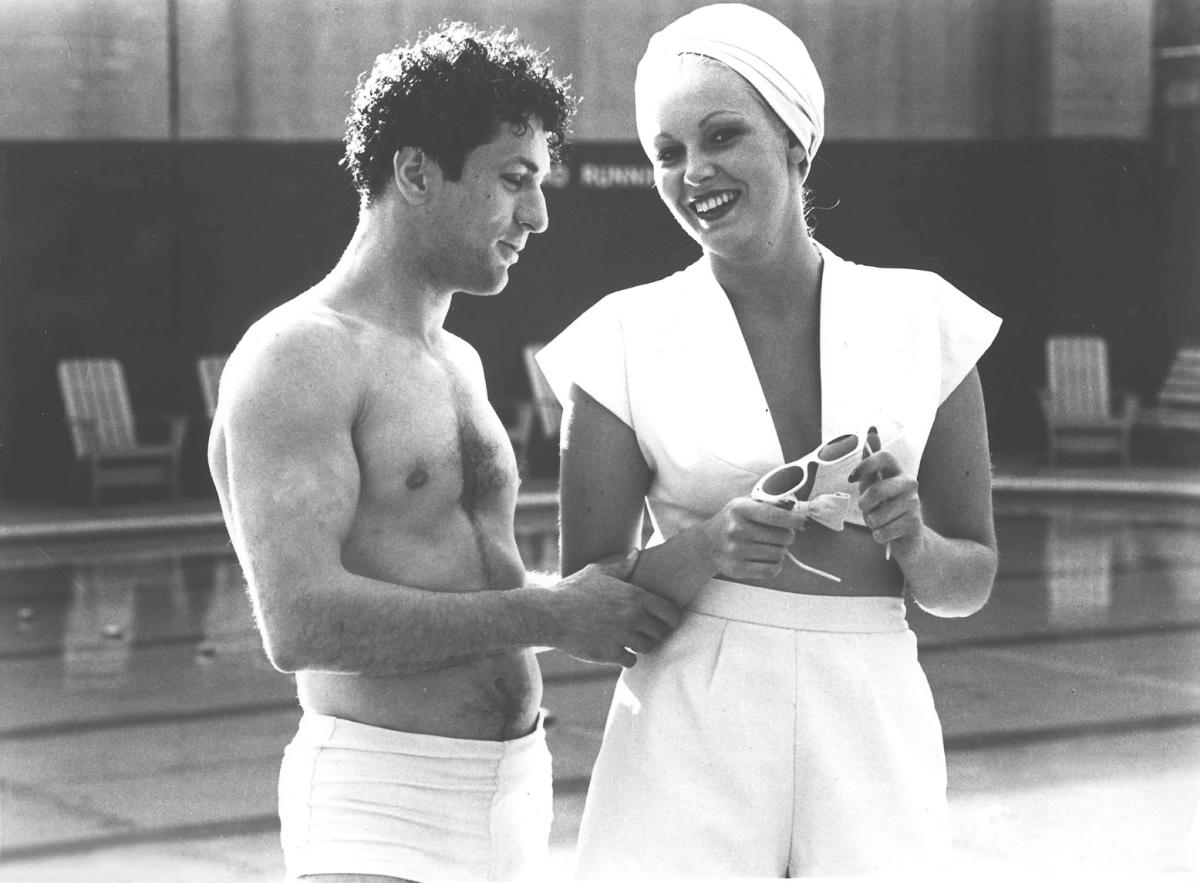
(168, 173)
(156, 254)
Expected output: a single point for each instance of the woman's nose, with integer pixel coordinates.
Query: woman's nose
(698, 170)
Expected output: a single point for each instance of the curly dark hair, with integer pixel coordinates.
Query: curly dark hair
(447, 93)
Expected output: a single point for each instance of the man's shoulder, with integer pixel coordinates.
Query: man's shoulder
(304, 322)
(459, 346)
(298, 342)
(304, 329)
(462, 351)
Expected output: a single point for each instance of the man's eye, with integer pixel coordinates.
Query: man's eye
(668, 155)
(513, 181)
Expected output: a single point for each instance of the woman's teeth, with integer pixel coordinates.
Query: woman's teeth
(710, 204)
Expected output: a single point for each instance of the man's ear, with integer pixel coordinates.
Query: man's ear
(414, 173)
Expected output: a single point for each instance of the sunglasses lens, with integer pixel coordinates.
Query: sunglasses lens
(838, 448)
(783, 479)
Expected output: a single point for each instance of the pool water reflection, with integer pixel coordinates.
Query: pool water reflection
(136, 705)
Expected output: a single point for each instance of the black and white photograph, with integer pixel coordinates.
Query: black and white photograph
(604, 440)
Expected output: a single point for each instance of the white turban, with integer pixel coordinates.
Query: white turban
(752, 43)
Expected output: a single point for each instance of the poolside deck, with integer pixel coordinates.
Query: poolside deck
(141, 727)
(1011, 477)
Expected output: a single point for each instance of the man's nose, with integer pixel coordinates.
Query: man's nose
(532, 212)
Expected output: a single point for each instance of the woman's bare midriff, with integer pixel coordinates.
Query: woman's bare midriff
(495, 698)
(850, 554)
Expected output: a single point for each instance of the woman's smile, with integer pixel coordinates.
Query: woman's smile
(722, 161)
(713, 206)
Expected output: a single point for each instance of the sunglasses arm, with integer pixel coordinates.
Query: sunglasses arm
(803, 566)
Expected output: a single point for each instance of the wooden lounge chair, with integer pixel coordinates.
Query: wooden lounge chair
(1079, 405)
(517, 416)
(1177, 406)
(103, 431)
(545, 403)
(208, 370)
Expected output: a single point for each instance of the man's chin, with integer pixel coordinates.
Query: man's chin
(489, 288)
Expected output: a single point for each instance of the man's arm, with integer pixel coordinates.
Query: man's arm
(292, 493)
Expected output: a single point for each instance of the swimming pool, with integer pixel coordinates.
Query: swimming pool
(137, 710)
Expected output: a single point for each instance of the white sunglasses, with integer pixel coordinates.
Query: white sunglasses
(791, 484)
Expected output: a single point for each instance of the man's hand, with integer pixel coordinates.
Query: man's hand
(603, 618)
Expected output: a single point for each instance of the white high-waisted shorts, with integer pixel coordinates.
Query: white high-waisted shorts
(357, 799)
(771, 735)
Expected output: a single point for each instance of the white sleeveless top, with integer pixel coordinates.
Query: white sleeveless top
(668, 359)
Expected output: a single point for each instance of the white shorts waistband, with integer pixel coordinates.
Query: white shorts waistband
(818, 613)
(322, 730)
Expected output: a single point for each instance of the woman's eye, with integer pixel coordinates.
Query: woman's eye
(513, 181)
(668, 154)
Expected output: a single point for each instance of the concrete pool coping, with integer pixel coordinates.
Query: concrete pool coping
(31, 521)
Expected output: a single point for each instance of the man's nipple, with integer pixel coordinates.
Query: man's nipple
(417, 478)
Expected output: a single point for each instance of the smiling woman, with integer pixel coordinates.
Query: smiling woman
(720, 151)
(801, 675)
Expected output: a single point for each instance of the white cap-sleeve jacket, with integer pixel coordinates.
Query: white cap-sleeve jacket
(669, 360)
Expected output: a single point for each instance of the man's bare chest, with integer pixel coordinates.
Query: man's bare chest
(431, 442)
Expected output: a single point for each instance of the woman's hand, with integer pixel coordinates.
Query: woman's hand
(749, 539)
(890, 503)
(942, 537)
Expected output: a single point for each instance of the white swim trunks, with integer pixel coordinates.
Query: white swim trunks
(771, 735)
(357, 799)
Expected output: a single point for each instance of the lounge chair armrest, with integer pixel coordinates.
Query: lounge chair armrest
(174, 426)
(1128, 407)
(515, 413)
(1047, 403)
(510, 405)
(137, 452)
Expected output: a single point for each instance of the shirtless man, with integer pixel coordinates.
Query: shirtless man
(369, 491)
